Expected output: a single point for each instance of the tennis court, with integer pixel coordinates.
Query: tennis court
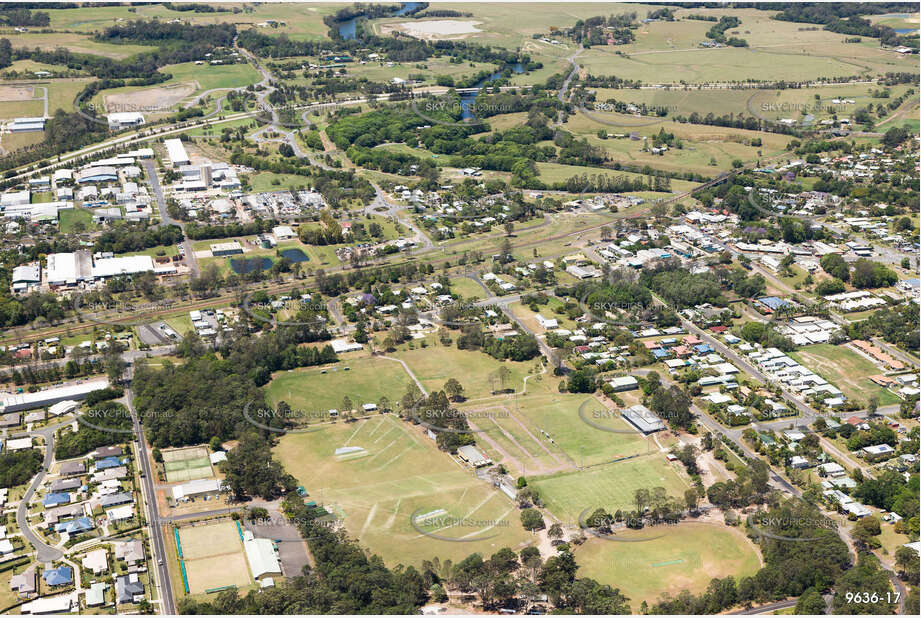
(187, 464)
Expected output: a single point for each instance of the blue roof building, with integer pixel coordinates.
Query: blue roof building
(703, 348)
(108, 462)
(660, 353)
(56, 499)
(75, 526)
(61, 576)
(773, 303)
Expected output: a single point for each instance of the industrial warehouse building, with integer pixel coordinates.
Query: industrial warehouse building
(176, 153)
(26, 125)
(643, 419)
(51, 396)
(123, 120)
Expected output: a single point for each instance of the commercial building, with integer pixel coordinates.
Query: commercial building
(176, 153)
(100, 173)
(40, 399)
(643, 419)
(128, 265)
(226, 248)
(26, 125)
(123, 120)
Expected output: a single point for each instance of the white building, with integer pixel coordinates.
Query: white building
(123, 120)
(261, 555)
(176, 152)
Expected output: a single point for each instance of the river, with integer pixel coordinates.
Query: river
(347, 28)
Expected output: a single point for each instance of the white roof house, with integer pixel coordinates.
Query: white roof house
(261, 555)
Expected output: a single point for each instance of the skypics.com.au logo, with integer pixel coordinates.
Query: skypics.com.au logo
(436, 524)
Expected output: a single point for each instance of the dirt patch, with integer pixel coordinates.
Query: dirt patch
(434, 30)
(16, 93)
(160, 99)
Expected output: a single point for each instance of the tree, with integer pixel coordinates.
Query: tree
(531, 519)
(907, 561)
(835, 266)
(454, 389)
(810, 602)
(509, 227)
(691, 498)
(555, 531)
(250, 470)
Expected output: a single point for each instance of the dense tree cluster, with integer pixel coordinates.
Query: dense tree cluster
(101, 424)
(17, 467)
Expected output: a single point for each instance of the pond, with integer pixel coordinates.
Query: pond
(248, 265)
(295, 255)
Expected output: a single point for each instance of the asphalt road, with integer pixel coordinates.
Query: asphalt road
(190, 260)
(158, 546)
(43, 551)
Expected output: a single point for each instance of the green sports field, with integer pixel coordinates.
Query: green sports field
(392, 474)
(366, 381)
(685, 557)
(476, 371)
(611, 486)
(544, 432)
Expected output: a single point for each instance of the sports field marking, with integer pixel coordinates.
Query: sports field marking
(371, 513)
(383, 435)
(393, 514)
(668, 562)
(354, 433)
(384, 450)
(393, 459)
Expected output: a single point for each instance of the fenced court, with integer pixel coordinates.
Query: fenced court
(187, 464)
(213, 556)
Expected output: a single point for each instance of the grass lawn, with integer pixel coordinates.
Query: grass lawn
(398, 474)
(476, 371)
(68, 219)
(557, 172)
(686, 557)
(519, 428)
(467, 288)
(611, 486)
(366, 381)
(846, 369)
(14, 141)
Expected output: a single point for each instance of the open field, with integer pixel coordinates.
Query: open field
(686, 557)
(396, 474)
(69, 219)
(213, 556)
(13, 141)
(515, 431)
(558, 172)
(76, 43)
(366, 381)
(846, 369)
(303, 20)
(476, 371)
(611, 486)
(188, 79)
